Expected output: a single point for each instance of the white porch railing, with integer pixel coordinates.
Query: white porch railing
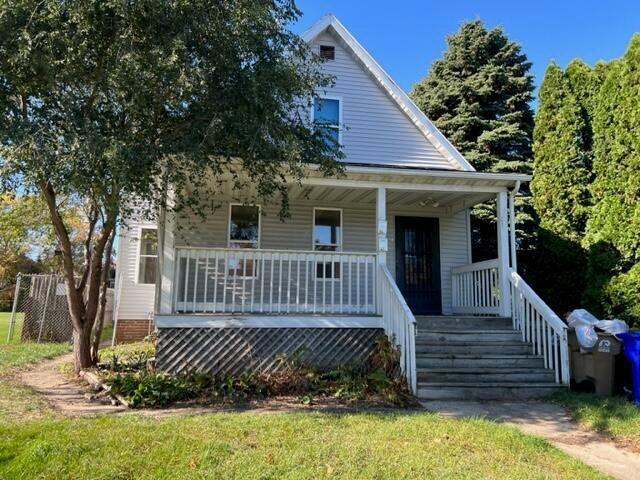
(476, 288)
(224, 280)
(398, 322)
(540, 326)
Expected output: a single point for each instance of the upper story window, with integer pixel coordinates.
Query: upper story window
(148, 255)
(327, 117)
(244, 226)
(327, 52)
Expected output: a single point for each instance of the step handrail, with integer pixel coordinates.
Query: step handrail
(399, 323)
(540, 326)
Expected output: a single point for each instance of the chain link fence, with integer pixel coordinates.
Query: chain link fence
(40, 311)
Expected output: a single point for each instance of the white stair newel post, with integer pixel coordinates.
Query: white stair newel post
(503, 254)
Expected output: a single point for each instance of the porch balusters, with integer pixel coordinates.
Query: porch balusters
(242, 281)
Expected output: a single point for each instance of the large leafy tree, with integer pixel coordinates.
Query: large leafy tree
(478, 95)
(109, 103)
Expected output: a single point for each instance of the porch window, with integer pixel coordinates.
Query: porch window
(327, 237)
(244, 232)
(148, 256)
(326, 117)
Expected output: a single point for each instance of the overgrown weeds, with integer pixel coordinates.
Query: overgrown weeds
(378, 379)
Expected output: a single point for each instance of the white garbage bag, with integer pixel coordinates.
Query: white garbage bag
(584, 324)
(581, 317)
(614, 327)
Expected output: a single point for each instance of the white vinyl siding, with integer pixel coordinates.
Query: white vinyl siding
(376, 131)
(135, 301)
(358, 233)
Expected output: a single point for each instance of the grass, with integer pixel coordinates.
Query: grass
(37, 443)
(614, 416)
(282, 446)
(18, 402)
(5, 320)
(16, 354)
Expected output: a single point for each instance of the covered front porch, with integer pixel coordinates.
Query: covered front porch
(368, 250)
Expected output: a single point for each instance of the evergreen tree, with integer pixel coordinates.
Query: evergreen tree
(562, 155)
(616, 190)
(614, 222)
(478, 95)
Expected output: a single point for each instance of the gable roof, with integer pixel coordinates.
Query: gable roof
(424, 125)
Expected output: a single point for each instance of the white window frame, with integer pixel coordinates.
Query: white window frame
(340, 122)
(236, 242)
(339, 245)
(140, 255)
(229, 241)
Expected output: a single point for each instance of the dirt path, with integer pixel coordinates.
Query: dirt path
(64, 394)
(553, 423)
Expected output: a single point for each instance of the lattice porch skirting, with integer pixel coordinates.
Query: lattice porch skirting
(234, 350)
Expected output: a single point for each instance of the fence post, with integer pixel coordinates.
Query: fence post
(44, 308)
(14, 308)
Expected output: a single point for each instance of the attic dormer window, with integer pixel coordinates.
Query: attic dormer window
(328, 52)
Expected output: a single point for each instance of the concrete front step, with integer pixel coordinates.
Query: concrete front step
(442, 360)
(467, 347)
(472, 336)
(453, 322)
(485, 391)
(495, 375)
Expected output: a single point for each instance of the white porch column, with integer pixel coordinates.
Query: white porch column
(512, 231)
(382, 243)
(167, 264)
(503, 253)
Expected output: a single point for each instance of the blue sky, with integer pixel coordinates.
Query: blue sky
(405, 36)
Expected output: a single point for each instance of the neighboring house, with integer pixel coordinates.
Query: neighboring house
(386, 247)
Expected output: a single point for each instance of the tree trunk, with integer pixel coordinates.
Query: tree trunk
(82, 348)
(99, 323)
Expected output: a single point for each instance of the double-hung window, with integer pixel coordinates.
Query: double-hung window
(244, 233)
(327, 119)
(327, 237)
(148, 256)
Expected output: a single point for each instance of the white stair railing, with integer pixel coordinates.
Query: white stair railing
(476, 288)
(398, 323)
(541, 327)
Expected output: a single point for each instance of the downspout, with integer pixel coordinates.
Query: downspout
(512, 225)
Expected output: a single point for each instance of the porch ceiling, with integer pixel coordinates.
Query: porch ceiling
(395, 198)
(450, 190)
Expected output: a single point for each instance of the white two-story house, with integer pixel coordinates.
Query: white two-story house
(384, 248)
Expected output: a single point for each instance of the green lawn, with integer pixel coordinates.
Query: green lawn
(5, 320)
(35, 442)
(16, 354)
(282, 445)
(614, 416)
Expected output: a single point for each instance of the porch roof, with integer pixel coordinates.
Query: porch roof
(452, 190)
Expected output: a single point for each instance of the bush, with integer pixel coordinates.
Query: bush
(378, 378)
(622, 296)
(129, 357)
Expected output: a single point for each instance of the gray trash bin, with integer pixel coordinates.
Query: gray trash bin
(596, 365)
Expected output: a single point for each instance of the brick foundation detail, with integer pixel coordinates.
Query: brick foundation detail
(132, 330)
(234, 350)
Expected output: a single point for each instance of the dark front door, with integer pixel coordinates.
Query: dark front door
(418, 263)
